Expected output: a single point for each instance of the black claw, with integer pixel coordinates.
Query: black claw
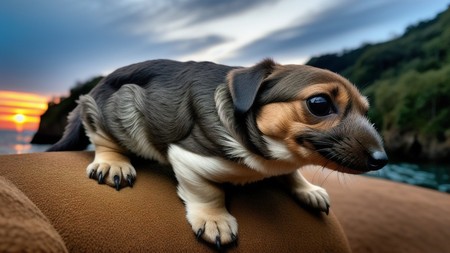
(130, 180)
(100, 178)
(91, 175)
(218, 244)
(234, 239)
(328, 209)
(117, 182)
(199, 234)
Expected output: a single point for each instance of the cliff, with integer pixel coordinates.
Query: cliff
(54, 120)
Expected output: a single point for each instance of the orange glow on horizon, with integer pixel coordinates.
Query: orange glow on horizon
(20, 110)
(24, 111)
(25, 119)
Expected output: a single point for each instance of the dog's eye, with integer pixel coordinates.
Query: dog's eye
(320, 105)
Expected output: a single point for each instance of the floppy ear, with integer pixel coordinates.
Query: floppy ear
(244, 84)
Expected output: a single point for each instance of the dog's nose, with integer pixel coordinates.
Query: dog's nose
(377, 160)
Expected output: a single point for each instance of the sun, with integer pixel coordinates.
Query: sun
(19, 118)
(21, 110)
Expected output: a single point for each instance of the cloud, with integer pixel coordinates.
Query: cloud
(207, 10)
(157, 17)
(314, 34)
(195, 44)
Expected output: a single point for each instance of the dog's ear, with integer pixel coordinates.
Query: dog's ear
(244, 84)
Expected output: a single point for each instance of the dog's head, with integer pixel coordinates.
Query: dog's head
(318, 115)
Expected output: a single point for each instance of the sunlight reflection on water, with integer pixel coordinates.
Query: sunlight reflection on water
(23, 141)
(22, 148)
(12, 142)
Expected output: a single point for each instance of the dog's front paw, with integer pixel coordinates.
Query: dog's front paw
(214, 225)
(313, 196)
(115, 173)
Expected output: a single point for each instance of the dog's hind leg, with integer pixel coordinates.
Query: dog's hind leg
(110, 164)
(308, 194)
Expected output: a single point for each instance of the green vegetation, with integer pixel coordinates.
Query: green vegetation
(407, 81)
(413, 101)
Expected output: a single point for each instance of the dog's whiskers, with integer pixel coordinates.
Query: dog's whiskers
(323, 182)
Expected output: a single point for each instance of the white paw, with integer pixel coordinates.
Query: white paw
(313, 196)
(115, 173)
(214, 225)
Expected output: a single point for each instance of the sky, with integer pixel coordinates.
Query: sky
(47, 46)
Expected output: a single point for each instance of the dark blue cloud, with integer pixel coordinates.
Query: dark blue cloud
(206, 10)
(45, 46)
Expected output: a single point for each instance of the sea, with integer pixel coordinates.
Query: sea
(13, 142)
(432, 176)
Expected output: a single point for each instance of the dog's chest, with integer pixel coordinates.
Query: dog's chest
(220, 170)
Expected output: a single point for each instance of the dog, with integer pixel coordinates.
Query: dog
(219, 124)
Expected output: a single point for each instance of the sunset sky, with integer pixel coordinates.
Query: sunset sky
(20, 111)
(47, 46)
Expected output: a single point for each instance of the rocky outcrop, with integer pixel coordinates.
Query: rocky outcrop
(54, 120)
(414, 147)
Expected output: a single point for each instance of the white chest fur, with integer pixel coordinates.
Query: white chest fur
(251, 168)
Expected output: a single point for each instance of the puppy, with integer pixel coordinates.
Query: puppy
(215, 124)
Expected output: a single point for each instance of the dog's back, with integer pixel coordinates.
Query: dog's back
(176, 90)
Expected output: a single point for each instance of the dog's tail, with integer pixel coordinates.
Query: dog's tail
(74, 137)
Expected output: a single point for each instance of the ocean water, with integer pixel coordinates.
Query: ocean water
(432, 176)
(12, 142)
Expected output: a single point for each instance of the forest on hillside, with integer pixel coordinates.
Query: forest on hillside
(407, 81)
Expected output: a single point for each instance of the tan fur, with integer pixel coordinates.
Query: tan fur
(109, 160)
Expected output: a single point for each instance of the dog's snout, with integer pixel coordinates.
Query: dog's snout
(377, 160)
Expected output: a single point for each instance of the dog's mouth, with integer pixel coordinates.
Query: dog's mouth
(347, 170)
(346, 154)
